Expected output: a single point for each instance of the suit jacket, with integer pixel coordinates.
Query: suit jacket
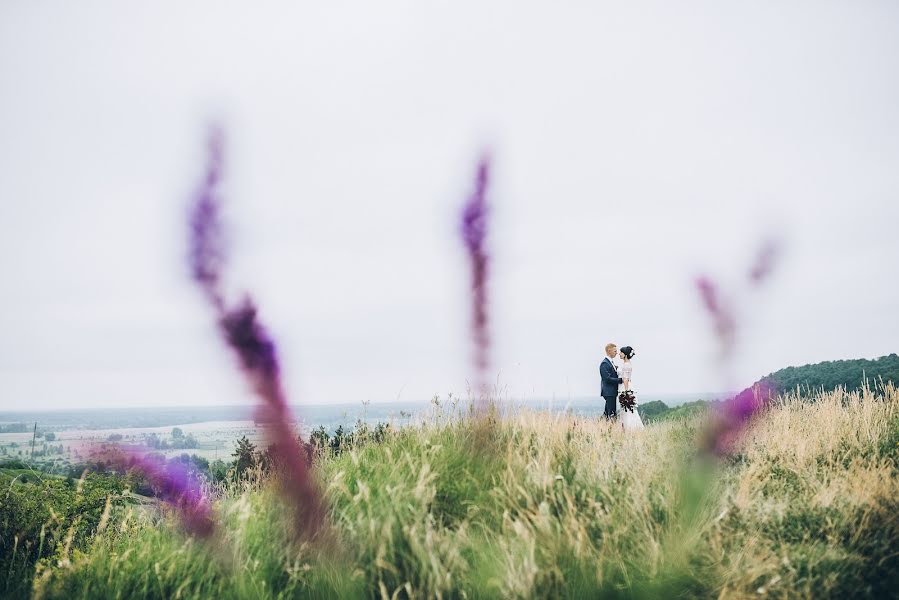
(610, 379)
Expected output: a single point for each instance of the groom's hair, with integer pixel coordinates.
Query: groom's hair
(610, 347)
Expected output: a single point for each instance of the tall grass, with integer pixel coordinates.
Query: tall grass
(554, 506)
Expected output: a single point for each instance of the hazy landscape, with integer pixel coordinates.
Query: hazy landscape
(211, 432)
(548, 505)
(439, 503)
(216, 429)
(407, 300)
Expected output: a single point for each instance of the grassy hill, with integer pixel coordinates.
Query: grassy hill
(848, 374)
(546, 506)
(827, 376)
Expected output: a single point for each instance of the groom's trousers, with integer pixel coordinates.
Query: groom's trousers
(610, 410)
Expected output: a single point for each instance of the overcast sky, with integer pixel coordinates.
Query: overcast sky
(636, 145)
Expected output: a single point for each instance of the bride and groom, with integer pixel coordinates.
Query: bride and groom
(612, 379)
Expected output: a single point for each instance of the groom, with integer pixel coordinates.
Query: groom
(610, 381)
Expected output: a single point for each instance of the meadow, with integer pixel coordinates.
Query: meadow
(64, 438)
(530, 504)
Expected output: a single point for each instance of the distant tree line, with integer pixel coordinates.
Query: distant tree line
(26, 428)
(248, 458)
(15, 427)
(848, 374)
(179, 441)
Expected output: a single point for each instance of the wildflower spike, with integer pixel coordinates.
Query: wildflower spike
(474, 233)
(254, 347)
(207, 249)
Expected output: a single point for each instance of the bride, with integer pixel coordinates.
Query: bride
(631, 421)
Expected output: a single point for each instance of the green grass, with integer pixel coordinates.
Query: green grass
(544, 506)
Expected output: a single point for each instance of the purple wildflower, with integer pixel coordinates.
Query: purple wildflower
(174, 485)
(207, 249)
(474, 232)
(254, 347)
(258, 359)
(765, 260)
(250, 341)
(731, 416)
(723, 319)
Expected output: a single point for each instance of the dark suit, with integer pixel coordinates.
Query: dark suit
(609, 387)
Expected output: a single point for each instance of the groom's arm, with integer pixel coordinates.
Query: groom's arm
(608, 374)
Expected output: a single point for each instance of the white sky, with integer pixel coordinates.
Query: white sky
(636, 143)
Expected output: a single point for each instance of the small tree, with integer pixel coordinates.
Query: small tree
(319, 438)
(338, 443)
(267, 459)
(244, 455)
(382, 430)
(200, 463)
(218, 471)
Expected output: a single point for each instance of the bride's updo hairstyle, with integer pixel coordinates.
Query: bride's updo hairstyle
(628, 352)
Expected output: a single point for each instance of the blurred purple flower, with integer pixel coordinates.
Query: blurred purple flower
(474, 232)
(207, 248)
(173, 482)
(720, 311)
(722, 315)
(249, 339)
(765, 261)
(254, 347)
(731, 416)
(258, 358)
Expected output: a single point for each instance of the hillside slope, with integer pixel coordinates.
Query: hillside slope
(829, 375)
(807, 379)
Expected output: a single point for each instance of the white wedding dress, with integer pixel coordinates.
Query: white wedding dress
(631, 421)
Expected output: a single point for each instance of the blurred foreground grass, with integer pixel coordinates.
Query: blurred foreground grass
(545, 506)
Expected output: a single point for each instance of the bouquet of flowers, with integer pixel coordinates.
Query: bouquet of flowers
(628, 400)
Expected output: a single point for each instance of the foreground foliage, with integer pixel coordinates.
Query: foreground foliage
(541, 505)
(44, 517)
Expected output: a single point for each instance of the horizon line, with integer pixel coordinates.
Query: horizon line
(555, 399)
